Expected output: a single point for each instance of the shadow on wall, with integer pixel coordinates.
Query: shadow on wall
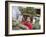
(8, 36)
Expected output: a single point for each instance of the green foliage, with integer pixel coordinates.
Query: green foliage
(28, 11)
(36, 25)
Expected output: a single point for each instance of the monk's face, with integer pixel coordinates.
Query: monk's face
(28, 18)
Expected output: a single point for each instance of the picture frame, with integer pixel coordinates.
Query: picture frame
(40, 7)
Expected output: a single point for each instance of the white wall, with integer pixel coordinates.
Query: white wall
(2, 17)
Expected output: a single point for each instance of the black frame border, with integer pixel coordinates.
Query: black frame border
(6, 17)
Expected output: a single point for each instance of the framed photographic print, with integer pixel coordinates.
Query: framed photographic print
(24, 18)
